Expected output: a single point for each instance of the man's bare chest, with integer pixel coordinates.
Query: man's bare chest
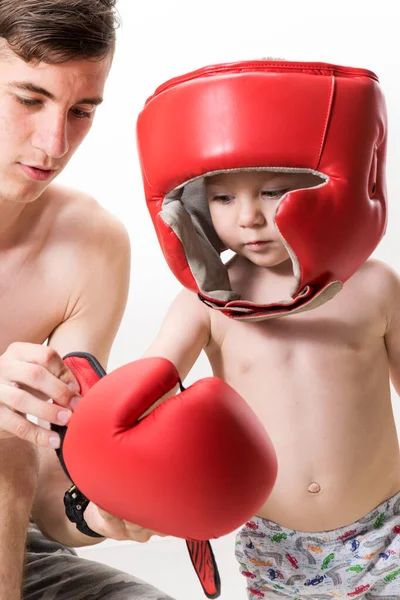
(32, 300)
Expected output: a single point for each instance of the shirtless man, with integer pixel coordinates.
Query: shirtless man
(64, 264)
(319, 381)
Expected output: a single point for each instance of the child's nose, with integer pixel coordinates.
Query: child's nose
(251, 214)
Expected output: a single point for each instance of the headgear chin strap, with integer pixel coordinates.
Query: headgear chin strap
(315, 118)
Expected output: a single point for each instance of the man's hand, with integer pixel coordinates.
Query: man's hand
(30, 375)
(111, 527)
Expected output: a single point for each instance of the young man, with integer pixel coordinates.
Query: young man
(288, 173)
(64, 278)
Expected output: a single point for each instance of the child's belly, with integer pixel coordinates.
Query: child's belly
(328, 412)
(327, 484)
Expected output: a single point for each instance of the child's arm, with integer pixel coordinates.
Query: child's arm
(184, 332)
(392, 335)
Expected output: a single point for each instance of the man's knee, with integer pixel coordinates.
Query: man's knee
(55, 572)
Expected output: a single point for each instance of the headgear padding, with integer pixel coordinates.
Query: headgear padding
(298, 117)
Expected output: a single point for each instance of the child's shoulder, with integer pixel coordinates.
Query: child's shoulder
(187, 306)
(376, 280)
(377, 271)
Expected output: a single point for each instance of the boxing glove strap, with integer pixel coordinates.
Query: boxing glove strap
(86, 384)
(75, 505)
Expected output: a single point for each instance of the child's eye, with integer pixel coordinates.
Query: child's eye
(274, 193)
(222, 198)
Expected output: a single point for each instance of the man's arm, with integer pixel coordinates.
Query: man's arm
(18, 477)
(91, 327)
(184, 333)
(99, 298)
(30, 374)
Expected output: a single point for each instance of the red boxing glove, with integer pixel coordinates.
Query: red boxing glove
(197, 467)
(88, 371)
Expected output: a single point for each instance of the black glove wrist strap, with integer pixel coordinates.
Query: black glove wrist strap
(75, 505)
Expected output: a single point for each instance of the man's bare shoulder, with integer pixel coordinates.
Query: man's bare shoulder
(87, 244)
(86, 223)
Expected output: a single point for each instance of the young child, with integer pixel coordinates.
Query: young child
(319, 381)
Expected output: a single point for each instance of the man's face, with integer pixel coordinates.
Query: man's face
(45, 113)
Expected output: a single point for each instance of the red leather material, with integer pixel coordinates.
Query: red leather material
(204, 564)
(197, 467)
(88, 371)
(84, 370)
(316, 116)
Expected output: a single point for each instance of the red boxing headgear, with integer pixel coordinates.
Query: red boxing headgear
(318, 118)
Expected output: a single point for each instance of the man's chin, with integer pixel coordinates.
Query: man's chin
(23, 194)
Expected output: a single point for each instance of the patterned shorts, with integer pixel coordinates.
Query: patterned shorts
(360, 561)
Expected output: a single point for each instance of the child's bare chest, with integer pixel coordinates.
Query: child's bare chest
(339, 341)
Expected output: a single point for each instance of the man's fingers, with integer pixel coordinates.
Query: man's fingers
(45, 356)
(31, 374)
(19, 426)
(139, 534)
(104, 523)
(37, 377)
(112, 527)
(21, 401)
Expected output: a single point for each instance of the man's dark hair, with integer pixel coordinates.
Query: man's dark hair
(55, 31)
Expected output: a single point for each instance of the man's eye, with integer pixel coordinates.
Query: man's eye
(274, 193)
(28, 101)
(82, 114)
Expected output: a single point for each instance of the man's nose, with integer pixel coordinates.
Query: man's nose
(51, 135)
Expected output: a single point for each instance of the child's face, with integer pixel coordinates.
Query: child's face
(242, 205)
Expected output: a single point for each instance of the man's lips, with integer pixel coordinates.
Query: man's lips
(36, 173)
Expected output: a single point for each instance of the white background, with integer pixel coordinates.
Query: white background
(160, 39)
